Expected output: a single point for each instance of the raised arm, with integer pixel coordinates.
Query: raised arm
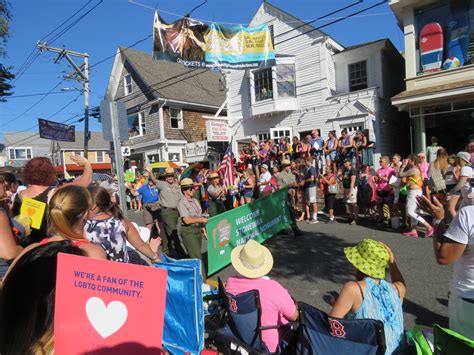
(134, 238)
(86, 177)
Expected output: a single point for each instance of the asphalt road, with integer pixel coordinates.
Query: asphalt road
(313, 265)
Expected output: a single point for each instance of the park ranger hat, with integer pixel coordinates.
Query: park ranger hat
(285, 162)
(264, 166)
(186, 182)
(213, 176)
(169, 171)
(252, 260)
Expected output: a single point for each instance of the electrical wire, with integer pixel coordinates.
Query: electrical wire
(319, 18)
(34, 105)
(33, 56)
(333, 22)
(39, 94)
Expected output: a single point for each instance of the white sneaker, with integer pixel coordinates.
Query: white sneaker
(313, 221)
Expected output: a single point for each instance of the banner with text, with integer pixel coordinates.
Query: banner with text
(259, 220)
(196, 44)
(56, 131)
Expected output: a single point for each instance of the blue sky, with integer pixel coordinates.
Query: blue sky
(120, 22)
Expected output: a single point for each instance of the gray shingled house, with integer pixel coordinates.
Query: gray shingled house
(165, 104)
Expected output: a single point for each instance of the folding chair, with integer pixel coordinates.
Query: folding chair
(240, 329)
(321, 334)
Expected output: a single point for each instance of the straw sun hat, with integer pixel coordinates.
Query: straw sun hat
(252, 260)
(169, 171)
(369, 257)
(213, 176)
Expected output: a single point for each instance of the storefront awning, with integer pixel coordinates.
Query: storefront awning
(434, 94)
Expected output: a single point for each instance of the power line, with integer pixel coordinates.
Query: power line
(39, 94)
(319, 18)
(121, 51)
(34, 54)
(333, 22)
(35, 104)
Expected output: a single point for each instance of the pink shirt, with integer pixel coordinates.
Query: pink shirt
(384, 173)
(424, 167)
(277, 304)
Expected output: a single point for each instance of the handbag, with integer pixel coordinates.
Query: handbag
(333, 189)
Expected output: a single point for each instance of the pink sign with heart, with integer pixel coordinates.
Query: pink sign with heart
(105, 306)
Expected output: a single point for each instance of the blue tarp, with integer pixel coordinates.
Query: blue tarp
(184, 321)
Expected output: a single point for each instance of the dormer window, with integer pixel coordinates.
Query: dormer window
(358, 76)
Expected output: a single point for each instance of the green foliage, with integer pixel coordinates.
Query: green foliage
(5, 73)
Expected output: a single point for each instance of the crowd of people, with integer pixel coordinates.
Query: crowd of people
(84, 217)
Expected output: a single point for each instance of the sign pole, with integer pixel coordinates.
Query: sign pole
(118, 157)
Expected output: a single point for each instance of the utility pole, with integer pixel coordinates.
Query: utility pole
(81, 74)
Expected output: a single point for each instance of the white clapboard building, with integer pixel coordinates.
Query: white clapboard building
(317, 83)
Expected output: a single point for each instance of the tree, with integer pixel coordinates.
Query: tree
(5, 72)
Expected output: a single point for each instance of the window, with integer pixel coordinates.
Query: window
(455, 19)
(282, 132)
(272, 34)
(358, 76)
(176, 118)
(136, 124)
(353, 128)
(263, 136)
(286, 83)
(263, 84)
(127, 83)
(153, 158)
(20, 153)
(99, 157)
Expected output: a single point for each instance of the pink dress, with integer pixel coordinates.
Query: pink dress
(424, 167)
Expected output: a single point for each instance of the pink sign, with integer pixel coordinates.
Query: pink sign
(108, 307)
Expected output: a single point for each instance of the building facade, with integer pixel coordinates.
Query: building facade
(439, 70)
(167, 105)
(97, 154)
(22, 146)
(317, 83)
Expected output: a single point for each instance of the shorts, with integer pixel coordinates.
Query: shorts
(247, 193)
(352, 199)
(310, 194)
(331, 156)
(151, 212)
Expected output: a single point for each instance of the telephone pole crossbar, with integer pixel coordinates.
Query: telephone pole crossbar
(82, 73)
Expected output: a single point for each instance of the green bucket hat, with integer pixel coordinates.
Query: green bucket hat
(369, 257)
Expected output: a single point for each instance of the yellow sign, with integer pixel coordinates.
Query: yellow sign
(34, 210)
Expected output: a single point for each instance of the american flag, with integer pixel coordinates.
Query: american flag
(226, 171)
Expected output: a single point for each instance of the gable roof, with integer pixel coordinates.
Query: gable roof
(96, 142)
(174, 81)
(293, 19)
(25, 139)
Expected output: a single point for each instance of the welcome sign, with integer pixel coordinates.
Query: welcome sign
(108, 306)
(258, 220)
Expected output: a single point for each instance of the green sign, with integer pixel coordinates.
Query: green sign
(259, 220)
(130, 176)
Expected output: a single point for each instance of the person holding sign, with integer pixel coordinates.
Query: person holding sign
(40, 177)
(193, 221)
(170, 194)
(27, 300)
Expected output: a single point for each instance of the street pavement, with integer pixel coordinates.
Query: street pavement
(313, 266)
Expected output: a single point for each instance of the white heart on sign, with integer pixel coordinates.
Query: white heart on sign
(106, 320)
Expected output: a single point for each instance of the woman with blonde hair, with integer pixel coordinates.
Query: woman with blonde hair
(437, 172)
(412, 173)
(248, 185)
(68, 212)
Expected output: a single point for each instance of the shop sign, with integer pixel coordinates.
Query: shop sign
(217, 131)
